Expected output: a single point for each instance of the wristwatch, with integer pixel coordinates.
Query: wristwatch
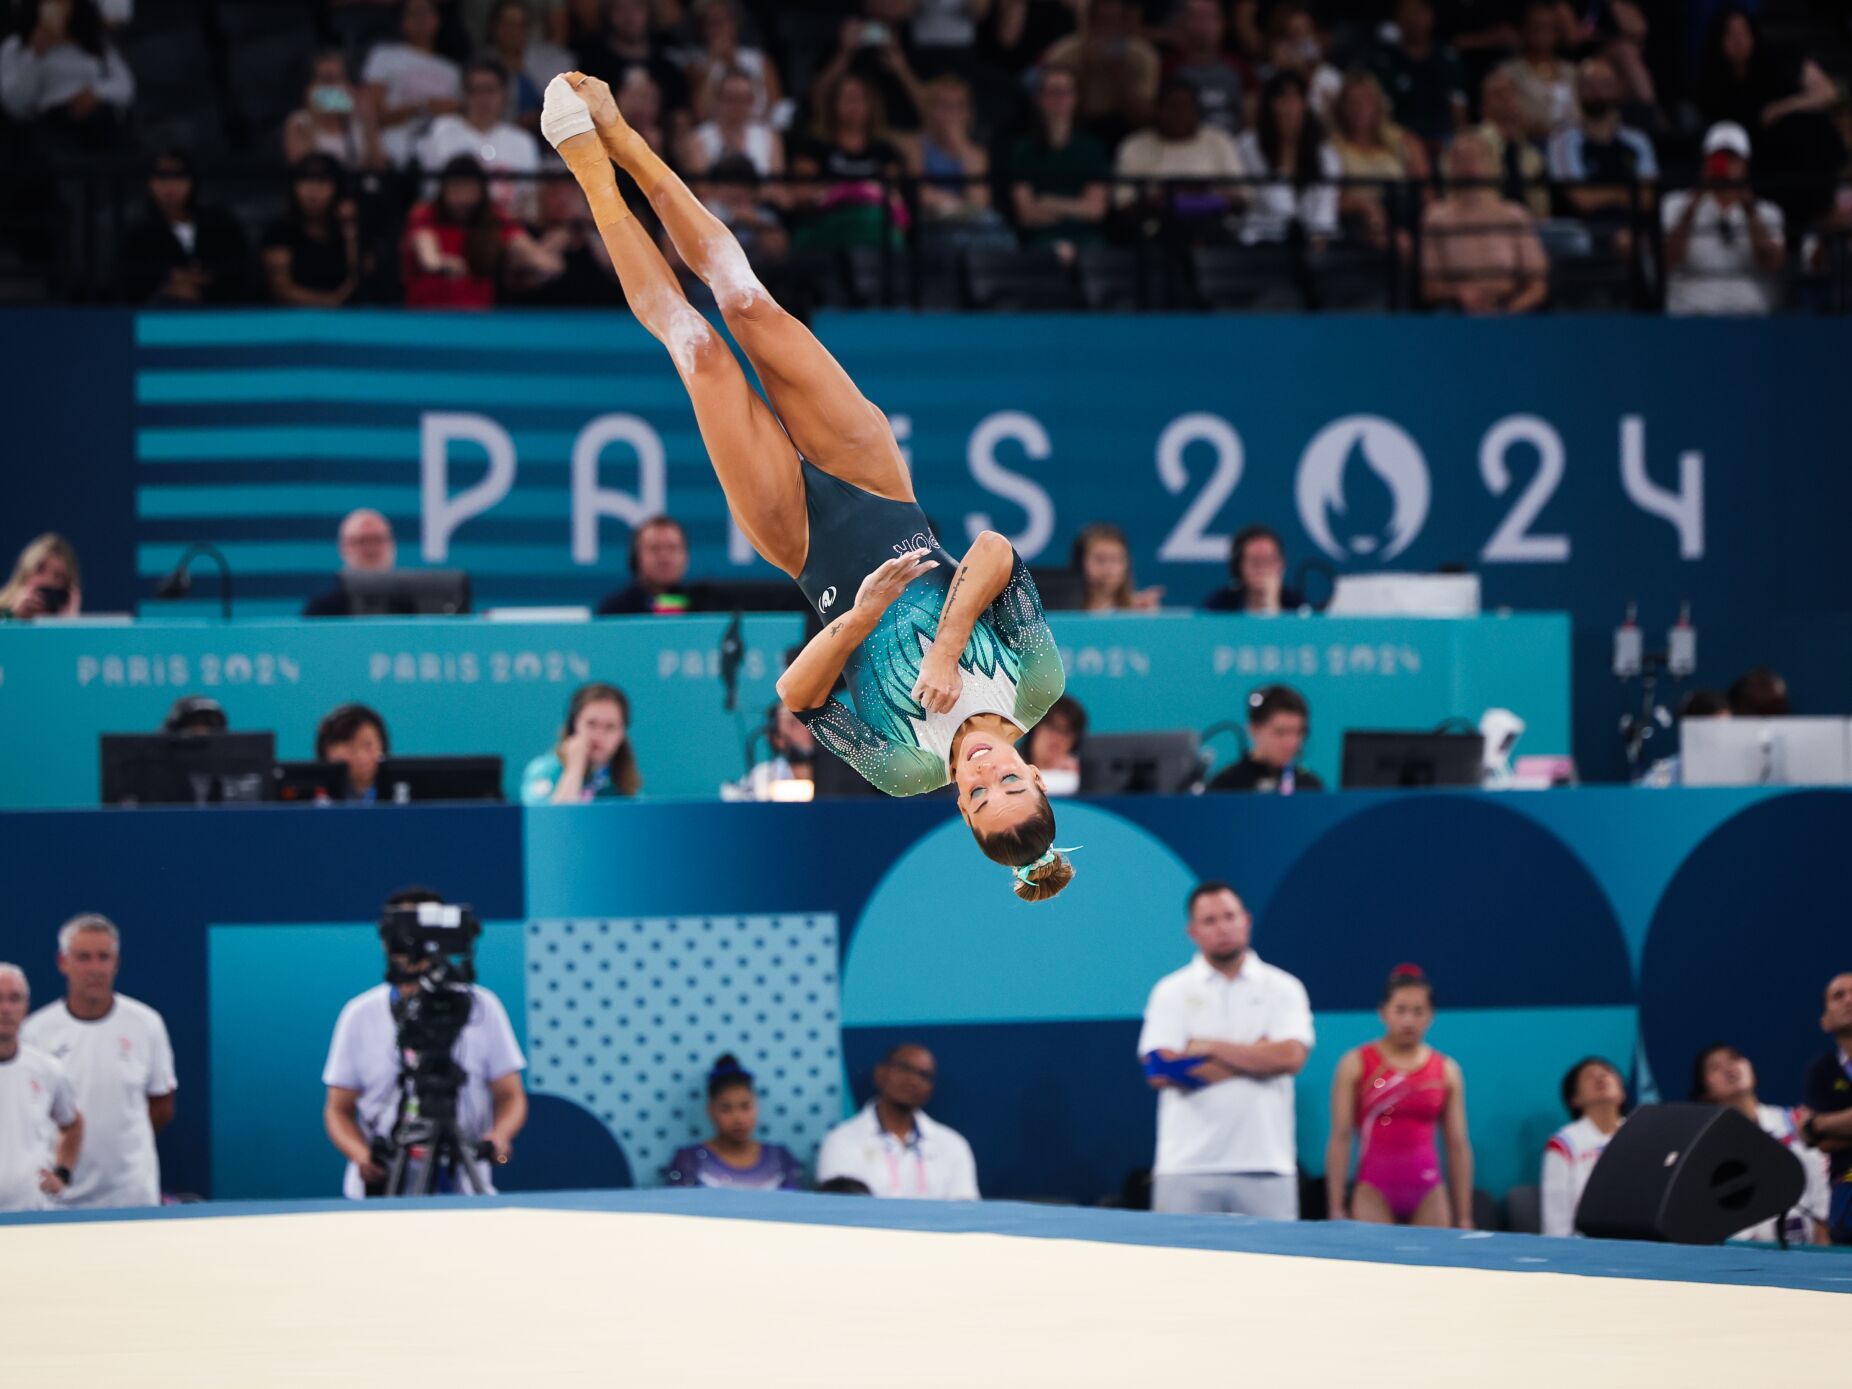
(63, 1174)
(1809, 1133)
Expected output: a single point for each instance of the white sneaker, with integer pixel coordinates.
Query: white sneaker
(564, 113)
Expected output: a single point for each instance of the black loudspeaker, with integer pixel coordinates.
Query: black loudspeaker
(1688, 1174)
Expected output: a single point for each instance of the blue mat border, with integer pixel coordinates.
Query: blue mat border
(1740, 1266)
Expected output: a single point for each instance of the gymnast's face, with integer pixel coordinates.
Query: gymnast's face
(997, 790)
(1407, 1014)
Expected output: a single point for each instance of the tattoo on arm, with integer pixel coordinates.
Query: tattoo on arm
(958, 582)
(835, 628)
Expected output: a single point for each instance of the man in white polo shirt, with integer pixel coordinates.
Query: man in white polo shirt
(1223, 1038)
(891, 1147)
(120, 1062)
(41, 1131)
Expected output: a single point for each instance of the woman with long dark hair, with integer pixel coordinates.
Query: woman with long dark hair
(312, 252)
(458, 247)
(947, 662)
(734, 1156)
(181, 251)
(1287, 146)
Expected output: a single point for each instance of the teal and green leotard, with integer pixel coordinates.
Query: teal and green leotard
(1010, 666)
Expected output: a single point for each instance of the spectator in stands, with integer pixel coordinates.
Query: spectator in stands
(1257, 576)
(409, 83)
(1053, 746)
(46, 581)
(312, 252)
(1482, 32)
(1180, 146)
(366, 545)
(734, 1157)
(1827, 1124)
(625, 44)
(512, 40)
(181, 252)
(732, 129)
(1103, 559)
(37, 1100)
(851, 162)
(720, 56)
(567, 233)
(1278, 721)
(1198, 57)
(334, 119)
(1225, 1139)
(576, 21)
(60, 74)
(1019, 33)
(1287, 146)
(593, 760)
(953, 166)
(1596, 1098)
(1621, 35)
(941, 33)
(1545, 80)
(1115, 67)
(869, 47)
(354, 735)
(1523, 174)
(1422, 76)
(1720, 1074)
(891, 1147)
(1782, 100)
(1294, 45)
(120, 1063)
(506, 152)
(791, 757)
(1370, 145)
(1759, 693)
(1724, 247)
(1393, 1094)
(658, 571)
(1479, 253)
(1058, 173)
(1600, 165)
(1699, 704)
(458, 246)
(364, 1064)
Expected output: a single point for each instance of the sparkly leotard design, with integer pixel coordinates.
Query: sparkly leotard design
(1009, 667)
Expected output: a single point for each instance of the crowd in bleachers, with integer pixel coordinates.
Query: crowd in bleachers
(1479, 155)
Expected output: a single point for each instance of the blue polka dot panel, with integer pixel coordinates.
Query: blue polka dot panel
(626, 1015)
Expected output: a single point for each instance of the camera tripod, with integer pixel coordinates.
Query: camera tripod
(428, 1153)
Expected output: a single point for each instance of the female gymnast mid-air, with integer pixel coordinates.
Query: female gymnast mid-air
(948, 664)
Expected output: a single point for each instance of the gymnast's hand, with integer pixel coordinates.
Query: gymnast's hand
(939, 684)
(881, 588)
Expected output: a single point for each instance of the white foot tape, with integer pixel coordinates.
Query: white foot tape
(564, 114)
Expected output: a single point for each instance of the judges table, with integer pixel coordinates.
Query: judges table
(457, 686)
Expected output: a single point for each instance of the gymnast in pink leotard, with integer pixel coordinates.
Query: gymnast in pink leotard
(1394, 1094)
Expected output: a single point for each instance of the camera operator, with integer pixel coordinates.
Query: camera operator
(366, 1085)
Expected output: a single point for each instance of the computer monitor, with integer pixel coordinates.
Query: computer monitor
(746, 595)
(1160, 762)
(1765, 752)
(304, 783)
(187, 768)
(1384, 758)
(405, 592)
(440, 779)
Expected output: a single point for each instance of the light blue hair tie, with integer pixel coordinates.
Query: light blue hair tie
(1024, 871)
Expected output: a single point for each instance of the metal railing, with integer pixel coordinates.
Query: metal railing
(1181, 244)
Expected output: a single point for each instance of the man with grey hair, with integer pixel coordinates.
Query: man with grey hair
(36, 1101)
(120, 1062)
(367, 547)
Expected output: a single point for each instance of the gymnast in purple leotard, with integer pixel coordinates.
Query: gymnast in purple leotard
(1394, 1094)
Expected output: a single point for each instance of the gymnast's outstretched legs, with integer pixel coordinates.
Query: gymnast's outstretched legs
(754, 460)
(829, 420)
